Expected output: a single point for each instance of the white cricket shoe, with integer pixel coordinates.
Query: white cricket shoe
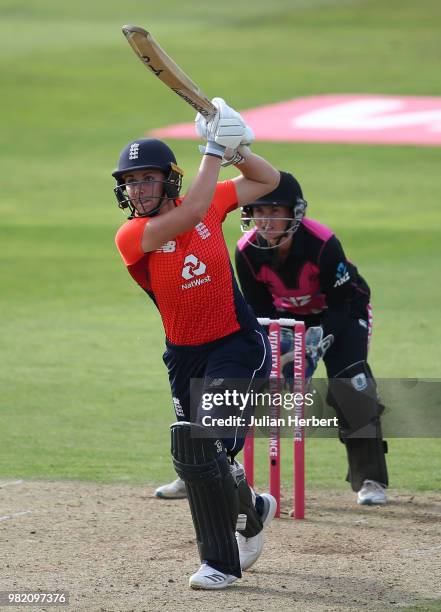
(208, 578)
(250, 549)
(172, 490)
(371, 494)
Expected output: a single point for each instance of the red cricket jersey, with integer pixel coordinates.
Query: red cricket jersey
(190, 278)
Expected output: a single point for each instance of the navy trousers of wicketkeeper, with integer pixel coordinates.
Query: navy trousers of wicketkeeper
(352, 393)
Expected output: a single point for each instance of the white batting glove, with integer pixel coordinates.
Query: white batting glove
(210, 128)
(249, 137)
(229, 132)
(226, 128)
(235, 157)
(201, 124)
(223, 110)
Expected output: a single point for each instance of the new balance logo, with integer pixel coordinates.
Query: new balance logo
(192, 267)
(134, 151)
(168, 247)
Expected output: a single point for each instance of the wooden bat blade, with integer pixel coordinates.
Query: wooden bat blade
(156, 59)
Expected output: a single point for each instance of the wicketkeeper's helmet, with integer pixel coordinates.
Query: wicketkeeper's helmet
(288, 194)
(145, 154)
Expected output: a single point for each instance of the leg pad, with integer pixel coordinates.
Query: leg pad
(353, 394)
(212, 494)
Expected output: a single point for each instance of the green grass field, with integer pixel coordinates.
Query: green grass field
(84, 392)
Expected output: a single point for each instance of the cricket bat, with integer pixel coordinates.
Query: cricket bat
(156, 59)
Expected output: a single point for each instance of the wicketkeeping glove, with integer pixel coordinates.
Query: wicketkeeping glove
(316, 347)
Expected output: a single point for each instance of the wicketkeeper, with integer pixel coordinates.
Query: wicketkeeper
(174, 249)
(291, 266)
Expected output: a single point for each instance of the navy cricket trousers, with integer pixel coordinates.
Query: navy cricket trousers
(240, 361)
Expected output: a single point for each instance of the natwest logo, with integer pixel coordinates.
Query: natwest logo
(192, 267)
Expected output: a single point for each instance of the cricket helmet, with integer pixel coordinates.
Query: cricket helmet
(146, 154)
(289, 194)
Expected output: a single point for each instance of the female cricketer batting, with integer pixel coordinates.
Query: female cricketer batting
(290, 266)
(174, 249)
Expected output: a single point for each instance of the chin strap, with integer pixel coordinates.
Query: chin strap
(155, 211)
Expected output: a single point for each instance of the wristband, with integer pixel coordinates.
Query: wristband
(214, 149)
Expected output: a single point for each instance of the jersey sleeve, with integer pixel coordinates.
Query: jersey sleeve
(225, 198)
(254, 291)
(337, 278)
(128, 240)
